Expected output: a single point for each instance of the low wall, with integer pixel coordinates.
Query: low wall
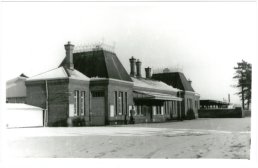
(221, 113)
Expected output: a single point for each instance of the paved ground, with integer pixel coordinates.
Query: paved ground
(202, 138)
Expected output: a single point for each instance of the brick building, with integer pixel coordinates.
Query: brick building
(91, 87)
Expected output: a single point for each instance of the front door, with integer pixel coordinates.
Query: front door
(97, 115)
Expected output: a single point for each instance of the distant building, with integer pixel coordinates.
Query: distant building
(16, 90)
(220, 109)
(92, 87)
(213, 104)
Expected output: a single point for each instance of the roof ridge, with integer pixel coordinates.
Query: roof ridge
(44, 72)
(105, 63)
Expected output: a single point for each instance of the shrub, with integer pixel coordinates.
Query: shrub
(76, 121)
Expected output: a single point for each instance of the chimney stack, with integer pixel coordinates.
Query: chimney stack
(148, 72)
(132, 64)
(138, 68)
(69, 55)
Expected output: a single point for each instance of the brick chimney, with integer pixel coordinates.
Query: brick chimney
(138, 68)
(69, 55)
(132, 64)
(148, 72)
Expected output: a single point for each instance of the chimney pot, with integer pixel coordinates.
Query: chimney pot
(69, 55)
(132, 65)
(148, 72)
(138, 68)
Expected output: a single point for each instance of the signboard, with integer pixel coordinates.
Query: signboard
(71, 110)
(112, 111)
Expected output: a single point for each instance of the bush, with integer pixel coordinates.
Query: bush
(76, 121)
(60, 123)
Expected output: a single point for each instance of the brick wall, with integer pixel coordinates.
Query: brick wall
(124, 87)
(36, 93)
(109, 86)
(80, 86)
(57, 99)
(188, 109)
(58, 102)
(60, 95)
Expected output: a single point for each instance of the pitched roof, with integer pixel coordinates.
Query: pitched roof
(175, 79)
(157, 96)
(16, 87)
(152, 84)
(100, 63)
(59, 73)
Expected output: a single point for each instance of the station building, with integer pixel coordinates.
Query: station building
(92, 87)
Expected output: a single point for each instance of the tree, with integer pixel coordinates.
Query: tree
(244, 82)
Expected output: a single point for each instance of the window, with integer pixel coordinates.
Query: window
(154, 110)
(126, 103)
(144, 110)
(174, 107)
(187, 104)
(83, 103)
(162, 110)
(97, 94)
(139, 110)
(158, 109)
(121, 103)
(115, 99)
(76, 102)
(165, 105)
(191, 104)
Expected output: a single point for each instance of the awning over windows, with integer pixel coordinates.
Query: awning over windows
(154, 95)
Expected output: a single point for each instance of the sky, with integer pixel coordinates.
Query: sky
(205, 39)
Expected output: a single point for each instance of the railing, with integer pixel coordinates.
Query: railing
(167, 70)
(94, 47)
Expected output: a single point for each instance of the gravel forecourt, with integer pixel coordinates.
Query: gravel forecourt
(202, 138)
